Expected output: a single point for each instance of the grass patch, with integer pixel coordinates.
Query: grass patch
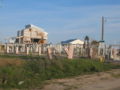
(37, 69)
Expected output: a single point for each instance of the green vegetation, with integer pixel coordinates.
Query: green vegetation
(37, 69)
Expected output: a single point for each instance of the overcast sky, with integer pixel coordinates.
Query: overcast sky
(62, 19)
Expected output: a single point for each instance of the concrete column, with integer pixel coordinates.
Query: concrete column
(61, 49)
(27, 50)
(36, 48)
(101, 49)
(31, 49)
(39, 50)
(23, 48)
(49, 52)
(91, 53)
(69, 51)
(16, 50)
(111, 56)
(12, 48)
(7, 49)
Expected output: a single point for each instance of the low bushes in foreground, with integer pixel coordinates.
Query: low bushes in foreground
(35, 70)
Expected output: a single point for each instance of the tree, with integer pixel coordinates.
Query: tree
(87, 46)
(94, 42)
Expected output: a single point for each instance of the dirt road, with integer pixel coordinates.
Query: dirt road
(109, 80)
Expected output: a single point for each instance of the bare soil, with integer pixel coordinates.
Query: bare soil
(109, 80)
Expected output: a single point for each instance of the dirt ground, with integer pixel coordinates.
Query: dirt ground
(109, 80)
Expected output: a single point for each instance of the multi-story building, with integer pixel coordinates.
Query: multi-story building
(31, 34)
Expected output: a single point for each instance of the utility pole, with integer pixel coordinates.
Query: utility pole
(101, 48)
(102, 34)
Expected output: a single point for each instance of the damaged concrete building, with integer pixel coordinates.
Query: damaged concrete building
(31, 34)
(30, 39)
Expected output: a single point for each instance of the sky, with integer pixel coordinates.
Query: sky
(62, 19)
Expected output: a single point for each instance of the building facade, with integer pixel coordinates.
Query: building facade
(31, 34)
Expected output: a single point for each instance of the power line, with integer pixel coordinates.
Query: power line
(112, 18)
